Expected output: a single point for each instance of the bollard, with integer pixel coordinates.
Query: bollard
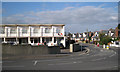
(104, 46)
(71, 47)
(107, 47)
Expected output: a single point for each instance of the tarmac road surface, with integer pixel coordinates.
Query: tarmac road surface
(95, 59)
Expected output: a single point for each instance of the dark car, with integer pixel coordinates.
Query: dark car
(61, 45)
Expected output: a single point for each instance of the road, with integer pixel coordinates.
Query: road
(95, 59)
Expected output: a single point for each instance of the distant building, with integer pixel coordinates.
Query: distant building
(85, 34)
(52, 34)
(95, 36)
(111, 32)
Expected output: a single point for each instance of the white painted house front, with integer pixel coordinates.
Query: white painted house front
(52, 34)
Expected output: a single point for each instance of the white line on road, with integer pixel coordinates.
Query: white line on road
(35, 63)
(74, 62)
(66, 63)
(112, 55)
(98, 59)
(61, 64)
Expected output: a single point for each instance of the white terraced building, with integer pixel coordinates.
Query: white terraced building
(52, 34)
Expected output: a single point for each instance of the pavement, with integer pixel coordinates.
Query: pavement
(95, 59)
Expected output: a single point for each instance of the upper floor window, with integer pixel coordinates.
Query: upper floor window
(13, 30)
(36, 30)
(47, 30)
(2, 30)
(25, 30)
(58, 30)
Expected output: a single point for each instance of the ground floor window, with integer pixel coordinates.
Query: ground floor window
(46, 39)
(11, 39)
(35, 40)
(23, 40)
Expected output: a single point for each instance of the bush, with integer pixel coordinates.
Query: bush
(105, 40)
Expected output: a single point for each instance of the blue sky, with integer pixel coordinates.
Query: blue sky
(77, 16)
(11, 8)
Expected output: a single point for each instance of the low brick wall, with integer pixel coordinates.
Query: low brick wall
(23, 50)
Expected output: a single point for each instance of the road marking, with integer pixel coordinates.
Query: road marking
(112, 55)
(66, 63)
(101, 50)
(49, 60)
(62, 63)
(35, 63)
(98, 59)
(74, 62)
(87, 54)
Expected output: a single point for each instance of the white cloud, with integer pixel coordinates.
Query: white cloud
(85, 16)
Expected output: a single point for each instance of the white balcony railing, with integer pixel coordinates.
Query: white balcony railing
(12, 35)
(35, 34)
(2, 35)
(23, 35)
(58, 34)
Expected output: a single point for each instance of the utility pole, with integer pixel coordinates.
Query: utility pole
(87, 32)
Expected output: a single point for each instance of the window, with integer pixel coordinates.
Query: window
(13, 30)
(36, 30)
(57, 30)
(48, 39)
(47, 30)
(2, 30)
(24, 30)
(117, 43)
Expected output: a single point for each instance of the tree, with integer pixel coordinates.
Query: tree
(101, 35)
(104, 39)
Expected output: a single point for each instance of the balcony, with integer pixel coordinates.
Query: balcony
(2, 35)
(58, 34)
(12, 35)
(46, 34)
(24, 35)
(35, 34)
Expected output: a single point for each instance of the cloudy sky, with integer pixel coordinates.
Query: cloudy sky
(77, 16)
